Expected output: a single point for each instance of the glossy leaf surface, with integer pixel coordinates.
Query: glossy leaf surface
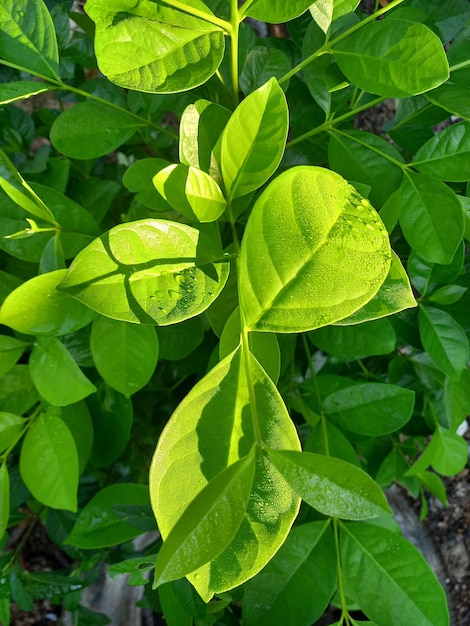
(276, 11)
(11, 350)
(447, 155)
(150, 271)
(332, 486)
(189, 51)
(49, 463)
(11, 426)
(220, 405)
(393, 58)
(258, 128)
(367, 339)
(324, 255)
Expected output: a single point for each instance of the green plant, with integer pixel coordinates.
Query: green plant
(263, 284)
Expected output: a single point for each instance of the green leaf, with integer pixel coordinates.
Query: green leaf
(149, 271)
(444, 340)
(77, 418)
(49, 463)
(327, 440)
(426, 275)
(11, 350)
(20, 90)
(11, 426)
(324, 12)
(177, 342)
(371, 409)
(457, 399)
(296, 586)
(91, 129)
(431, 217)
(37, 308)
(4, 498)
(453, 97)
(447, 452)
(394, 295)
(393, 58)
(27, 37)
(366, 339)
(191, 191)
(449, 294)
(258, 128)
(276, 11)
(260, 65)
(209, 523)
(332, 486)
(323, 256)
(55, 374)
(364, 157)
(137, 569)
(125, 355)
(98, 527)
(138, 178)
(188, 53)
(201, 126)
(17, 393)
(389, 579)
(218, 423)
(447, 155)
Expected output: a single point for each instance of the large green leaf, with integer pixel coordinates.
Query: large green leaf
(125, 355)
(444, 340)
(149, 271)
(276, 11)
(296, 586)
(389, 579)
(332, 486)
(447, 155)
(431, 217)
(393, 58)
(49, 463)
(313, 252)
(20, 90)
(188, 53)
(356, 341)
(253, 140)
(447, 452)
(98, 526)
(37, 308)
(55, 374)
(27, 36)
(92, 129)
(209, 524)
(371, 409)
(229, 411)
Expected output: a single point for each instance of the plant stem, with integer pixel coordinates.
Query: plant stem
(344, 603)
(235, 25)
(334, 121)
(326, 443)
(208, 17)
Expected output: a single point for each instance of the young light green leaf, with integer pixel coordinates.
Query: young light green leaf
(258, 128)
(191, 191)
(98, 527)
(447, 452)
(447, 155)
(91, 129)
(431, 217)
(49, 463)
(395, 295)
(444, 340)
(366, 339)
(324, 255)
(149, 271)
(296, 586)
(125, 354)
(276, 11)
(201, 126)
(4, 498)
(332, 486)
(27, 37)
(215, 425)
(389, 579)
(11, 426)
(371, 409)
(324, 12)
(209, 523)
(11, 350)
(393, 58)
(37, 308)
(20, 90)
(56, 375)
(189, 52)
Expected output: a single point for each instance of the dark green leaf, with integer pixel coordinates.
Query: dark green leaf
(20, 90)
(11, 350)
(11, 426)
(177, 342)
(447, 155)
(260, 65)
(17, 392)
(359, 340)
(137, 569)
(447, 452)
(276, 11)
(4, 498)
(457, 399)
(138, 178)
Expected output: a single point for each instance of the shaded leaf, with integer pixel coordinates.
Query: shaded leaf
(447, 155)
(20, 90)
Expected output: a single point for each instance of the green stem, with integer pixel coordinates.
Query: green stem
(313, 375)
(459, 66)
(326, 126)
(208, 17)
(327, 47)
(342, 595)
(246, 5)
(235, 25)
